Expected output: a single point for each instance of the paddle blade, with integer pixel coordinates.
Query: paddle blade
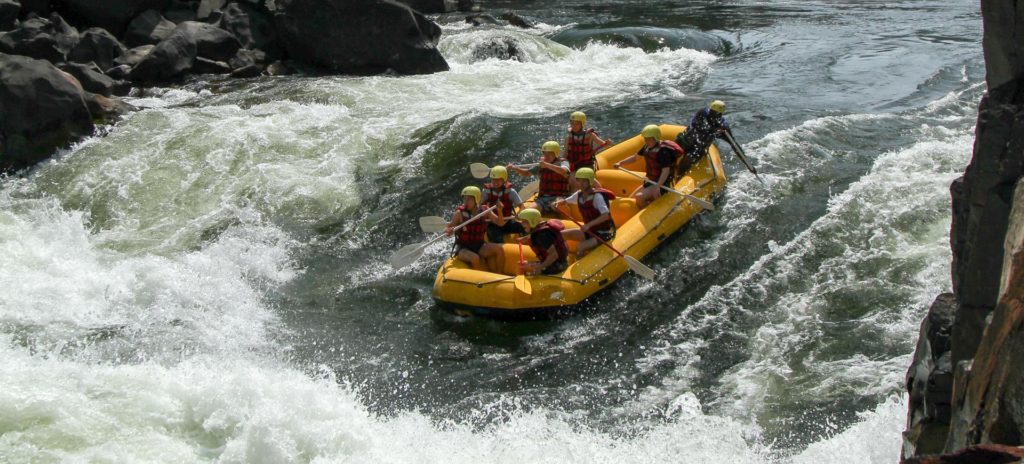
(702, 203)
(480, 170)
(529, 190)
(432, 224)
(406, 255)
(523, 284)
(639, 268)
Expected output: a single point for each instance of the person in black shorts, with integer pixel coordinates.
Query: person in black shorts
(546, 241)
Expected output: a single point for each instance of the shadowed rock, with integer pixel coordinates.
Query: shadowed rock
(359, 36)
(9, 10)
(112, 15)
(98, 46)
(45, 39)
(148, 28)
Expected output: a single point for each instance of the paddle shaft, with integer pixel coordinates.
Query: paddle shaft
(739, 152)
(703, 203)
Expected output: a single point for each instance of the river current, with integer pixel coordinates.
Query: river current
(207, 279)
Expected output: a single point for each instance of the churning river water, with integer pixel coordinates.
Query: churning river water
(207, 280)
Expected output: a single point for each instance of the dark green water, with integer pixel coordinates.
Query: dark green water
(211, 275)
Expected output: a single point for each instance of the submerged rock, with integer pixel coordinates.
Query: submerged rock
(502, 48)
(41, 109)
(359, 36)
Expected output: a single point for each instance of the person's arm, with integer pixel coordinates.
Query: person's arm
(592, 139)
(514, 197)
(629, 159)
(454, 222)
(667, 158)
(519, 170)
(495, 214)
(561, 170)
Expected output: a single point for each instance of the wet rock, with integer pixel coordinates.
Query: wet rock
(432, 6)
(106, 110)
(41, 110)
(481, 19)
(9, 10)
(211, 41)
(148, 28)
(94, 80)
(929, 381)
(502, 48)
(120, 72)
(45, 39)
(168, 60)
(254, 27)
(112, 15)
(359, 36)
(983, 454)
(279, 68)
(516, 20)
(252, 70)
(245, 58)
(98, 46)
(133, 56)
(208, 66)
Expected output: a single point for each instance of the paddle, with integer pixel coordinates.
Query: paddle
(410, 253)
(634, 265)
(522, 284)
(702, 203)
(432, 224)
(743, 157)
(529, 190)
(483, 171)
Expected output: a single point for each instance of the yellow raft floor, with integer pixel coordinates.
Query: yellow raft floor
(637, 233)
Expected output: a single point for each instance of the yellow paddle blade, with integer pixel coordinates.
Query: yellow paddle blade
(523, 284)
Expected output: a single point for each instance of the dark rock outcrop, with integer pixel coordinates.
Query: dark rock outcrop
(359, 36)
(133, 56)
(983, 454)
(148, 28)
(176, 54)
(41, 109)
(211, 41)
(432, 6)
(41, 38)
(98, 46)
(987, 338)
(36, 7)
(255, 29)
(9, 11)
(94, 80)
(112, 15)
(930, 380)
(179, 12)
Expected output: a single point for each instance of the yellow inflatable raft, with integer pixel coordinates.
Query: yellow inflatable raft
(637, 233)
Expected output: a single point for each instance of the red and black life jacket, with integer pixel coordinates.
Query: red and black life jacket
(650, 155)
(553, 183)
(555, 226)
(578, 151)
(473, 233)
(501, 192)
(590, 213)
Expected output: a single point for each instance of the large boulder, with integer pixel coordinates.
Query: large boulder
(432, 6)
(98, 46)
(930, 381)
(112, 15)
(177, 54)
(359, 36)
(37, 7)
(179, 12)
(133, 56)
(45, 39)
(94, 80)
(9, 11)
(254, 27)
(150, 27)
(41, 109)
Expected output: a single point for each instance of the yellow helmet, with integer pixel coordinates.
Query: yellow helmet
(472, 191)
(717, 106)
(551, 146)
(530, 215)
(578, 116)
(585, 173)
(651, 131)
(499, 172)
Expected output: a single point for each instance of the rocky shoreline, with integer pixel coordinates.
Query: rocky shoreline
(965, 384)
(64, 63)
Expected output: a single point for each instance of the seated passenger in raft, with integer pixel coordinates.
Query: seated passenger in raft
(593, 205)
(581, 145)
(553, 172)
(469, 241)
(546, 241)
(660, 157)
(500, 191)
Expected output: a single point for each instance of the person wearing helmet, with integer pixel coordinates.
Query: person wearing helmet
(546, 241)
(469, 241)
(704, 127)
(660, 158)
(499, 190)
(581, 145)
(593, 205)
(553, 172)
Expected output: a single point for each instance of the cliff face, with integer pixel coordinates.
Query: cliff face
(966, 385)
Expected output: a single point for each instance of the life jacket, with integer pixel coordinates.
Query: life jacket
(552, 183)
(650, 155)
(578, 151)
(555, 226)
(472, 233)
(503, 193)
(590, 213)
